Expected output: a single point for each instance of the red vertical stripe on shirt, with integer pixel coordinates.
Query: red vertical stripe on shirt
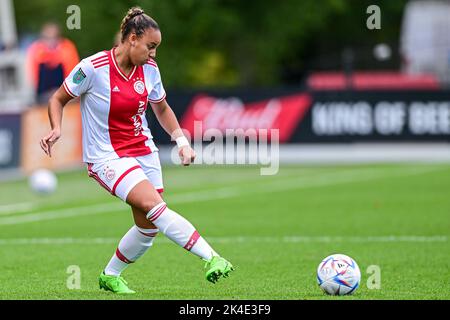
(127, 107)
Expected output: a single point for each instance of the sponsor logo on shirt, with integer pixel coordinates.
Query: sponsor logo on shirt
(137, 118)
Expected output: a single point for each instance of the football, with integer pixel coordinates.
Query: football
(43, 181)
(338, 274)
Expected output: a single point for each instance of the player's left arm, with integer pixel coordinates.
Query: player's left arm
(167, 119)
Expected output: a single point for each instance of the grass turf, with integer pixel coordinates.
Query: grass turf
(274, 229)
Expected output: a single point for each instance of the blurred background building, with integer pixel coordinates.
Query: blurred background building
(336, 89)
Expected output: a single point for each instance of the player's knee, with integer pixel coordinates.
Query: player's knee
(149, 204)
(157, 211)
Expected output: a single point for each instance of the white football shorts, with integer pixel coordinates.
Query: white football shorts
(119, 176)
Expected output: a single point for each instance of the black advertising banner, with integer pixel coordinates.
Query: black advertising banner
(9, 140)
(318, 117)
(404, 116)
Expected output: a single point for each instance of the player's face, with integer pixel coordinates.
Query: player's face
(145, 47)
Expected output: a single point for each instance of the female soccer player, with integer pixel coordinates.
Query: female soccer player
(115, 88)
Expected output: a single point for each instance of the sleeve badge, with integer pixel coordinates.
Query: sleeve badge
(79, 76)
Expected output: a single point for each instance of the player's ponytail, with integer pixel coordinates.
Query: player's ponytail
(136, 21)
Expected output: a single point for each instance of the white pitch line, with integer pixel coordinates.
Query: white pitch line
(14, 208)
(323, 180)
(240, 240)
(196, 196)
(221, 193)
(17, 208)
(64, 213)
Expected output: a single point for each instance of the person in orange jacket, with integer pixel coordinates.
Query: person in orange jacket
(50, 60)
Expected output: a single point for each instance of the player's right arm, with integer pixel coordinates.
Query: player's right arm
(55, 112)
(78, 82)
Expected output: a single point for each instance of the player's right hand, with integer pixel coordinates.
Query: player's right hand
(49, 140)
(187, 155)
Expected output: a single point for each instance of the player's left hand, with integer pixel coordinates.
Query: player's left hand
(187, 155)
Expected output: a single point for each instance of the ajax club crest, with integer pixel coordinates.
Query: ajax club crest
(139, 87)
(110, 174)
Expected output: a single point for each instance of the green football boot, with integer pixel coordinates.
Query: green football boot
(217, 267)
(116, 284)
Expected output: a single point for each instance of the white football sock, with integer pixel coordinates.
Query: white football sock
(132, 246)
(180, 231)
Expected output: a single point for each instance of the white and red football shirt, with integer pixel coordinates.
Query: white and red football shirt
(113, 106)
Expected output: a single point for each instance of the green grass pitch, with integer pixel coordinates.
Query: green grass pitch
(274, 229)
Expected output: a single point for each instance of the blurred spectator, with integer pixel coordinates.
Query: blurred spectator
(50, 60)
